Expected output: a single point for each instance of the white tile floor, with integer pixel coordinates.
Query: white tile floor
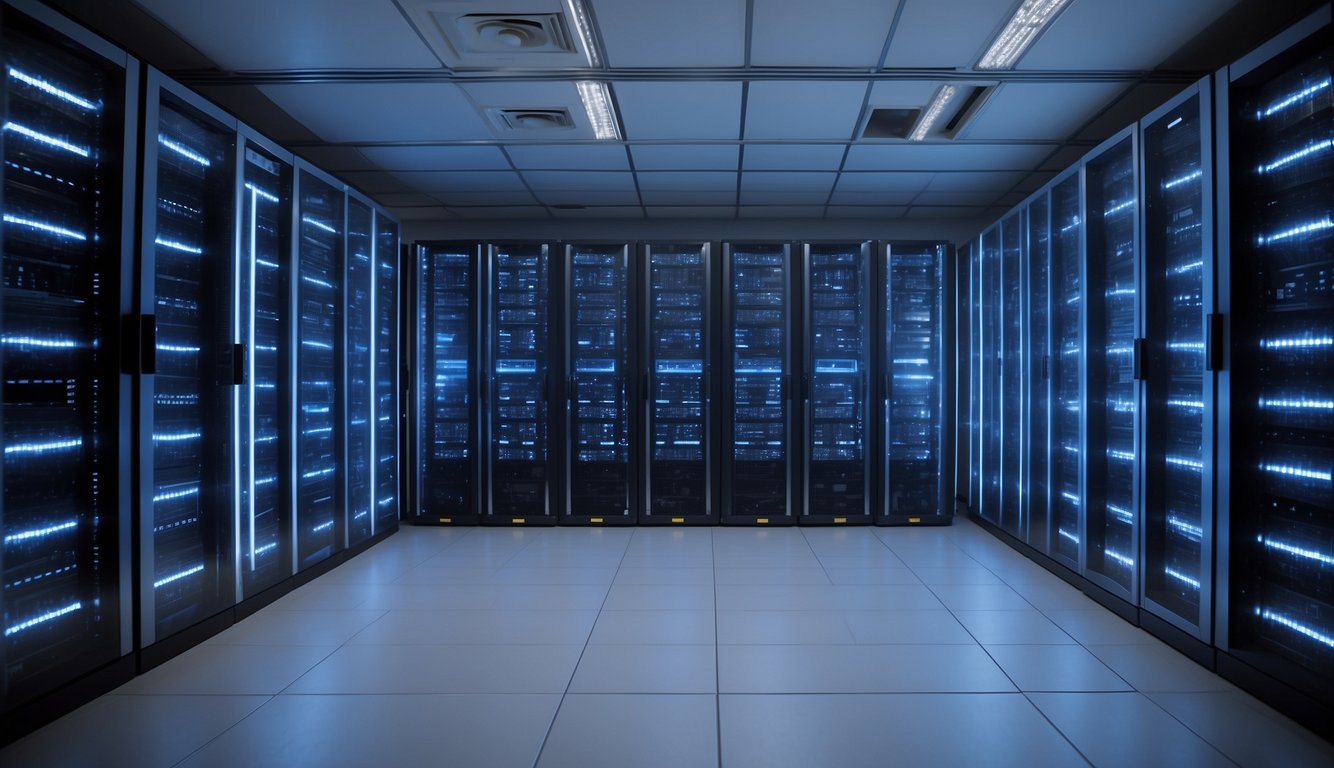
(681, 647)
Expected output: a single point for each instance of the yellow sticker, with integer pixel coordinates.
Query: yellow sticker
(678, 519)
(517, 521)
(914, 519)
(840, 520)
(762, 520)
(594, 519)
(446, 519)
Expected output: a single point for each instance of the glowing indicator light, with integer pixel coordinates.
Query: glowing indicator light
(188, 572)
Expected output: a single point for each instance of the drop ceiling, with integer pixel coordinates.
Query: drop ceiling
(727, 109)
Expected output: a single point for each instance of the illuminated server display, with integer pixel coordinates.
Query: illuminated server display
(1037, 380)
(1111, 545)
(189, 366)
(1278, 611)
(989, 383)
(446, 370)
(69, 148)
(358, 387)
(1067, 340)
(837, 401)
(386, 366)
(914, 376)
(1013, 512)
(757, 424)
(600, 429)
(320, 515)
(678, 357)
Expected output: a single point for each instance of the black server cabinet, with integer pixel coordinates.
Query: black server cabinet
(358, 375)
(447, 374)
(913, 380)
(521, 334)
(990, 300)
(975, 373)
(1177, 466)
(679, 346)
(1111, 436)
(1037, 381)
(385, 370)
(70, 148)
(1277, 613)
(1064, 532)
(601, 431)
(262, 403)
(1011, 354)
(963, 372)
(838, 406)
(320, 520)
(191, 371)
(757, 458)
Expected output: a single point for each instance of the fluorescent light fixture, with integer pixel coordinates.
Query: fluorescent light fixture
(585, 29)
(597, 103)
(1020, 31)
(932, 112)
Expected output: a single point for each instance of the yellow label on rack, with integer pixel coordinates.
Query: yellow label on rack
(762, 520)
(446, 519)
(838, 520)
(678, 519)
(594, 519)
(914, 519)
(517, 521)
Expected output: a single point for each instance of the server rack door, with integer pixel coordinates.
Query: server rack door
(600, 432)
(1037, 369)
(975, 368)
(1111, 316)
(1011, 353)
(1177, 455)
(386, 417)
(187, 269)
(678, 384)
(757, 473)
(68, 146)
(321, 517)
(448, 303)
(358, 394)
(1280, 608)
(836, 396)
(1067, 341)
(913, 401)
(991, 375)
(519, 469)
(963, 325)
(263, 400)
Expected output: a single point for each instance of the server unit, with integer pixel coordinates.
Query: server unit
(1064, 523)
(70, 150)
(1035, 308)
(678, 352)
(1013, 514)
(358, 385)
(989, 384)
(963, 374)
(758, 429)
(385, 367)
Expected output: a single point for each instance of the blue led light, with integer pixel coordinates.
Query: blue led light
(316, 223)
(322, 527)
(1070, 497)
(1125, 562)
(177, 494)
(42, 226)
(510, 365)
(1295, 626)
(1305, 342)
(41, 533)
(1191, 404)
(1182, 461)
(50, 446)
(50, 141)
(1073, 224)
(1297, 231)
(385, 501)
(317, 281)
(1119, 207)
(1178, 181)
(183, 150)
(1181, 577)
(911, 361)
(1293, 549)
(1185, 527)
(680, 367)
(1291, 471)
(314, 473)
(263, 195)
(762, 370)
(265, 549)
(1121, 513)
(1292, 99)
(1186, 346)
(267, 264)
(33, 341)
(914, 377)
(1068, 536)
(178, 246)
(45, 617)
(1120, 455)
(188, 572)
(176, 437)
(1313, 148)
(317, 344)
(180, 348)
(1296, 404)
(52, 90)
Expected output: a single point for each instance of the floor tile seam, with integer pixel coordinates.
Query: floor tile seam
(575, 670)
(226, 730)
(717, 659)
(1187, 726)
(1056, 728)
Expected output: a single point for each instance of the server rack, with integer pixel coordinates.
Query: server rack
(358, 383)
(1178, 277)
(189, 362)
(1037, 381)
(262, 403)
(1275, 614)
(385, 368)
(758, 309)
(1012, 513)
(601, 431)
(1065, 524)
(448, 460)
(320, 522)
(838, 405)
(990, 379)
(522, 332)
(913, 376)
(1112, 389)
(976, 370)
(678, 340)
(963, 373)
(70, 152)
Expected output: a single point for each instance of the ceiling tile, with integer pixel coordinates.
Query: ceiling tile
(691, 212)
(993, 181)
(1040, 110)
(587, 196)
(336, 159)
(480, 213)
(780, 211)
(682, 33)
(956, 198)
(947, 212)
(883, 182)
(599, 212)
(680, 110)
(394, 200)
(376, 112)
(793, 157)
(903, 93)
(871, 198)
(945, 34)
(296, 34)
(687, 181)
(692, 157)
(576, 180)
(461, 181)
(571, 157)
(782, 32)
(473, 197)
(438, 158)
(375, 182)
(778, 197)
(865, 211)
(777, 109)
(686, 197)
(544, 94)
(945, 157)
(1126, 34)
(422, 213)
(780, 181)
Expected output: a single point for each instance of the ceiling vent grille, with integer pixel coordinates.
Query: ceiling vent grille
(532, 33)
(541, 34)
(531, 120)
(898, 123)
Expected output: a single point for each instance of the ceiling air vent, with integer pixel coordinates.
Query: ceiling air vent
(489, 34)
(890, 123)
(534, 33)
(945, 116)
(531, 120)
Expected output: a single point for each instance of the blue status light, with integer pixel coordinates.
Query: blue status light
(41, 533)
(1292, 99)
(316, 223)
(1295, 626)
(188, 572)
(180, 149)
(45, 617)
(42, 226)
(50, 141)
(50, 446)
(1292, 549)
(53, 90)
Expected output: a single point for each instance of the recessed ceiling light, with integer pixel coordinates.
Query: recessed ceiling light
(932, 113)
(585, 30)
(1023, 28)
(601, 113)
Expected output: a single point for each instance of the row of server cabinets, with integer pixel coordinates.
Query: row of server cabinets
(680, 383)
(200, 378)
(1150, 363)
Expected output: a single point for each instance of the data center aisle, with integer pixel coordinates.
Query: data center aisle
(679, 647)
